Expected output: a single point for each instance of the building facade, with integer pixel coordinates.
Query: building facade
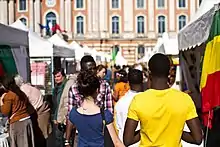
(130, 26)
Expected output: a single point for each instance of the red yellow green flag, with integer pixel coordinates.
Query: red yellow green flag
(210, 78)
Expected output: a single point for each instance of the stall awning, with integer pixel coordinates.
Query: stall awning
(197, 30)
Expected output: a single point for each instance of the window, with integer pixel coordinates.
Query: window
(51, 19)
(140, 3)
(115, 4)
(24, 21)
(79, 3)
(115, 25)
(140, 24)
(161, 3)
(182, 3)
(80, 25)
(22, 5)
(161, 24)
(182, 21)
(141, 51)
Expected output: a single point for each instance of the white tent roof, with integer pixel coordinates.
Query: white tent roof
(166, 45)
(120, 60)
(79, 53)
(40, 47)
(19, 25)
(197, 30)
(12, 36)
(87, 50)
(75, 45)
(61, 47)
(57, 40)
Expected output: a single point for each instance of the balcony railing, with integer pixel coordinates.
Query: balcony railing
(141, 35)
(79, 36)
(106, 35)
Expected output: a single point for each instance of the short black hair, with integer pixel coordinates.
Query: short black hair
(159, 65)
(135, 76)
(86, 59)
(57, 70)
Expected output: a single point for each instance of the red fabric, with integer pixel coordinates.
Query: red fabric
(210, 97)
(2, 72)
(57, 27)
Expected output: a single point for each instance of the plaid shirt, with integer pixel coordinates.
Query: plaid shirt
(75, 98)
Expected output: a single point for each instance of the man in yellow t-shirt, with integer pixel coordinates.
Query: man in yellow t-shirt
(162, 112)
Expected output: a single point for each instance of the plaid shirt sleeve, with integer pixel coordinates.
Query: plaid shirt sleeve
(105, 96)
(109, 99)
(74, 98)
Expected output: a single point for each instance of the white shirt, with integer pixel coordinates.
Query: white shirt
(121, 109)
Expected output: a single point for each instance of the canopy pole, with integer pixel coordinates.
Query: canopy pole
(52, 69)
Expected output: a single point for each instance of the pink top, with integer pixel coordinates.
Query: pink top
(34, 95)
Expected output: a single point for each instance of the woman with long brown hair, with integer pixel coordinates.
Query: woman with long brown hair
(89, 119)
(15, 105)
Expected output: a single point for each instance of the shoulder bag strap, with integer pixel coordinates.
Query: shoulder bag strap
(103, 120)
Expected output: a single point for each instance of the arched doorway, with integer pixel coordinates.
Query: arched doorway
(50, 21)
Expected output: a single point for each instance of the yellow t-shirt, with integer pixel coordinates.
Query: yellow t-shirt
(162, 115)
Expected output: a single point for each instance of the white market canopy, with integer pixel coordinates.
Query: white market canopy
(61, 47)
(167, 45)
(18, 41)
(12, 36)
(57, 40)
(79, 53)
(87, 50)
(38, 46)
(197, 30)
(120, 60)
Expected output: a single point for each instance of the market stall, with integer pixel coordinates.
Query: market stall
(14, 56)
(14, 59)
(42, 53)
(199, 58)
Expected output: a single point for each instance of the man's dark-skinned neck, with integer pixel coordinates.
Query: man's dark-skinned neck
(159, 83)
(163, 102)
(137, 88)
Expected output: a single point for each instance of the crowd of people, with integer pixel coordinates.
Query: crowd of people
(102, 107)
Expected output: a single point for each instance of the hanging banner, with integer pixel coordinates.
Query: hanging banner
(38, 73)
(7, 61)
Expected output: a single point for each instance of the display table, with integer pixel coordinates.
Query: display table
(4, 140)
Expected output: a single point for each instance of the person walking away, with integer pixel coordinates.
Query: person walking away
(104, 96)
(162, 112)
(15, 105)
(60, 82)
(135, 79)
(88, 118)
(121, 86)
(87, 63)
